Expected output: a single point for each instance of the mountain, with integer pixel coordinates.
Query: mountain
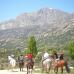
(51, 27)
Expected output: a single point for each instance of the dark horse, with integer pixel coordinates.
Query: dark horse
(29, 65)
(21, 62)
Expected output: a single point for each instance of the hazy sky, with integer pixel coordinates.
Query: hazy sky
(11, 8)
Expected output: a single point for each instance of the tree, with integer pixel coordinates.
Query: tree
(32, 46)
(70, 47)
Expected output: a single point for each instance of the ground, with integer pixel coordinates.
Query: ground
(16, 71)
(36, 71)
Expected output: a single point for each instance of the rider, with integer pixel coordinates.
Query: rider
(10, 57)
(61, 55)
(11, 62)
(45, 55)
(30, 60)
(46, 61)
(21, 62)
(55, 56)
(29, 57)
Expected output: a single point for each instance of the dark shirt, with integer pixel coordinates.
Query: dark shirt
(61, 57)
(20, 59)
(56, 55)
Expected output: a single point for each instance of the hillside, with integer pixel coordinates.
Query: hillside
(51, 27)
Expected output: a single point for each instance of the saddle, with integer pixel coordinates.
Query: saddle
(30, 61)
(45, 59)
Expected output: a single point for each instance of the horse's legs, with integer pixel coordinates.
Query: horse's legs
(8, 66)
(20, 68)
(42, 68)
(61, 70)
(12, 68)
(27, 69)
(30, 70)
(56, 70)
(66, 67)
(47, 68)
(50, 67)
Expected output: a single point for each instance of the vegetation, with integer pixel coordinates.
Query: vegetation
(70, 48)
(36, 51)
(32, 46)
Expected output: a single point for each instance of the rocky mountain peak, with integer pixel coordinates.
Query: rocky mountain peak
(50, 25)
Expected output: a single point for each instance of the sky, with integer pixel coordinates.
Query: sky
(10, 9)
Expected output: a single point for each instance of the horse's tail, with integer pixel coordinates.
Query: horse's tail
(67, 67)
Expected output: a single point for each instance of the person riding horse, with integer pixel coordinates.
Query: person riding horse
(60, 62)
(29, 62)
(11, 62)
(46, 62)
(55, 55)
(29, 58)
(45, 56)
(61, 56)
(21, 62)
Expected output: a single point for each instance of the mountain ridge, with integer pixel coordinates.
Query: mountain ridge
(42, 13)
(48, 25)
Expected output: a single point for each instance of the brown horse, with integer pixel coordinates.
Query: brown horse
(29, 65)
(61, 64)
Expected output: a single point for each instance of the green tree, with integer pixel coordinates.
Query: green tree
(32, 46)
(70, 47)
(16, 52)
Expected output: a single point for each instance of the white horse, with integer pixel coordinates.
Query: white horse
(12, 62)
(46, 62)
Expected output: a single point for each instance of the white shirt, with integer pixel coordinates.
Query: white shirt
(9, 58)
(46, 55)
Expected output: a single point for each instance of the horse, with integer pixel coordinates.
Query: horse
(29, 65)
(21, 62)
(11, 63)
(61, 64)
(46, 63)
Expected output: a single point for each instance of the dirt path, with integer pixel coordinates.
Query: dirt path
(11, 72)
(16, 71)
